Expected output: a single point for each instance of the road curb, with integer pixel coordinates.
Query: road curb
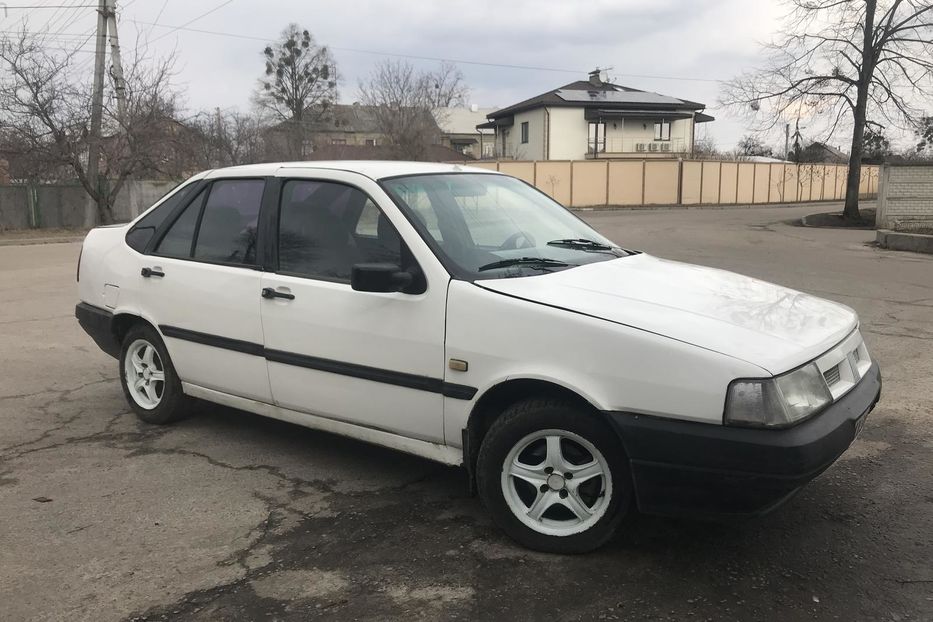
(901, 241)
(34, 241)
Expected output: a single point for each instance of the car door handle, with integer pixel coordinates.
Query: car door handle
(268, 292)
(147, 272)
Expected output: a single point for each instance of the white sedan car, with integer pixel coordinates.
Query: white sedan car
(461, 315)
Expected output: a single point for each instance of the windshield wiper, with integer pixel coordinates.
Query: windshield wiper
(524, 261)
(581, 243)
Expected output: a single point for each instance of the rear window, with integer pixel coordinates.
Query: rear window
(141, 233)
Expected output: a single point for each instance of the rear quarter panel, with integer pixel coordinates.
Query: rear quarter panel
(106, 265)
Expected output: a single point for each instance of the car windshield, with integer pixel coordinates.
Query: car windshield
(488, 226)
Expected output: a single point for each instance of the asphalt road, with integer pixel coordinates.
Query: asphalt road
(229, 516)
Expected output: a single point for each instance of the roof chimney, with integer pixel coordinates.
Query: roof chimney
(595, 80)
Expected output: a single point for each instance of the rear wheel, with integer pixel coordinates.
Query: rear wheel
(554, 476)
(149, 381)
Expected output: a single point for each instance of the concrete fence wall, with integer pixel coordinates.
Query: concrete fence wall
(58, 206)
(905, 198)
(578, 183)
(593, 183)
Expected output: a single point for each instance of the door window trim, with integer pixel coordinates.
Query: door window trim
(207, 185)
(271, 229)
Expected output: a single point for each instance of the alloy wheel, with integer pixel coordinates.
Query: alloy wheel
(145, 374)
(556, 482)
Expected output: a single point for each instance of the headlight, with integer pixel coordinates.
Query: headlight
(777, 402)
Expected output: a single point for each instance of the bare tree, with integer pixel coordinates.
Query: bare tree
(840, 59)
(447, 87)
(751, 146)
(924, 135)
(876, 147)
(298, 85)
(405, 102)
(227, 138)
(704, 148)
(46, 108)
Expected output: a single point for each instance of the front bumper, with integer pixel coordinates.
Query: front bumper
(699, 469)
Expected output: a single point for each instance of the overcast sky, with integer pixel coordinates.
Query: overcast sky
(688, 43)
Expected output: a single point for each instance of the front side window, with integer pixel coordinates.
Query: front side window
(326, 228)
(227, 233)
(662, 130)
(494, 226)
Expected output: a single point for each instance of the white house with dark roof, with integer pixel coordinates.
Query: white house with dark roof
(595, 119)
(460, 130)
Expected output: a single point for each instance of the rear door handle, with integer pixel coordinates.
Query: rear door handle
(268, 292)
(147, 272)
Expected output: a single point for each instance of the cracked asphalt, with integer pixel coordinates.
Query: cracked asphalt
(226, 516)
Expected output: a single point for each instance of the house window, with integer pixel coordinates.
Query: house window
(338, 141)
(597, 137)
(662, 130)
(370, 142)
(524, 132)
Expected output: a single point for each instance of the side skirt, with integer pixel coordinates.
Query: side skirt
(432, 451)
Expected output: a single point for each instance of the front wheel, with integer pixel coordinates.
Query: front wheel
(554, 477)
(149, 381)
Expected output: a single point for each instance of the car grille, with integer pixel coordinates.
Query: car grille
(831, 375)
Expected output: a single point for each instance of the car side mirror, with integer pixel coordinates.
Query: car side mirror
(379, 277)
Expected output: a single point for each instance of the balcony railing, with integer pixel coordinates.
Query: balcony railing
(637, 145)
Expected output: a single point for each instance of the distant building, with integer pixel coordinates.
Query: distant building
(459, 131)
(595, 119)
(340, 124)
(821, 152)
(433, 153)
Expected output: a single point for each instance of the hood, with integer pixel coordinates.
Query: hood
(770, 326)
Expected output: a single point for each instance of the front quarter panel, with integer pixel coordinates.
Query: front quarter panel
(614, 367)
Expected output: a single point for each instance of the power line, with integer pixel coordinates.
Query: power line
(459, 61)
(53, 6)
(420, 57)
(191, 21)
(57, 13)
(361, 51)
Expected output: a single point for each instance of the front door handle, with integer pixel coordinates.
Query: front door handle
(147, 272)
(268, 292)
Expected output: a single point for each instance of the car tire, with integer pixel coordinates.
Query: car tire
(516, 479)
(149, 381)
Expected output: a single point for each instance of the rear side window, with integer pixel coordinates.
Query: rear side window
(139, 236)
(177, 240)
(227, 232)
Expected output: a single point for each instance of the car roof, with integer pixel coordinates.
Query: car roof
(374, 169)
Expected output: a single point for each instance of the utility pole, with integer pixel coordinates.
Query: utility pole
(119, 86)
(786, 140)
(118, 81)
(97, 104)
